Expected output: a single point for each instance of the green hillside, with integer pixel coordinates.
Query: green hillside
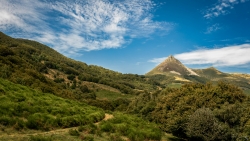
(198, 111)
(35, 65)
(26, 114)
(47, 96)
(25, 108)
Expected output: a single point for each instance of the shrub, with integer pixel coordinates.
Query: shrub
(74, 132)
(115, 137)
(202, 124)
(6, 51)
(7, 121)
(40, 138)
(89, 128)
(84, 89)
(59, 80)
(107, 127)
(88, 138)
(71, 77)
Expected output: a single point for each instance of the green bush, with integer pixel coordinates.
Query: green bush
(116, 137)
(40, 138)
(202, 124)
(22, 108)
(71, 77)
(74, 132)
(88, 138)
(7, 121)
(135, 128)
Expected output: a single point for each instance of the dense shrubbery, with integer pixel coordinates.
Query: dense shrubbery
(27, 62)
(132, 127)
(122, 125)
(173, 107)
(22, 107)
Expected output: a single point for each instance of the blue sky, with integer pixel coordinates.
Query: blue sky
(133, 36)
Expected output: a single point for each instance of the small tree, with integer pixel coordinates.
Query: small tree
(202, 125)
(84, 89)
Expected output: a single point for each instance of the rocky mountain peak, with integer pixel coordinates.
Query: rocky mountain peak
(172, 65)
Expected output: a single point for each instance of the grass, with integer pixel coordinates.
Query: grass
(23, 108)
(170, 137)
(131, 127)
(103, 94)
(174, 85)
(247, 91)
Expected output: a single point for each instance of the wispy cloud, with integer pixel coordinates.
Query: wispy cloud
(237, 55)
(158, 60)
(212, 28)
(222, 7)
(71, 26)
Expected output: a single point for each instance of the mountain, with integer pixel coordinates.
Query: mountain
(172, 65)
(172, 70)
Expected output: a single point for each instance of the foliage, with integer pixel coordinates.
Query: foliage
(40, 138)
(132, 127)
(22, 107)
(203, 125)
(172, 107)
(119, 127)
(35, 65)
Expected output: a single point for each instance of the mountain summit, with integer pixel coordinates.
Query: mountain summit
(171, 65)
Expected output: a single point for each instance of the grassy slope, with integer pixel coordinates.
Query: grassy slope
(27, 114)
(35, 65)
(23, 108)
(104, 94)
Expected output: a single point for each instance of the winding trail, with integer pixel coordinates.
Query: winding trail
(52, 132)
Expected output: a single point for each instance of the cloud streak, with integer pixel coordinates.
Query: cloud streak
(222, 7)
(237, 55)
(72, 26)
(213, 28)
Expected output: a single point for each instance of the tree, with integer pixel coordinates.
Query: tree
(202, 125)
(84, 89)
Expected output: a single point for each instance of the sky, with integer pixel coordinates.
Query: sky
(134, 36)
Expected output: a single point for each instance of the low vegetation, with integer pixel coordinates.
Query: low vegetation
(120, 127)
(47, 96)
(197, 111)
(24, 108)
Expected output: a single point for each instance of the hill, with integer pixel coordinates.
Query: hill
(28, 114)
(35, 65)
(22, 108)
(197, 111)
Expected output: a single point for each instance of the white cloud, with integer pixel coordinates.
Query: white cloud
(222, 7)
(80, 25)
(237, 55)
(157, 60)
(212, 28)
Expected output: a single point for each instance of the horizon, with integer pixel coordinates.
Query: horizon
(135, 36)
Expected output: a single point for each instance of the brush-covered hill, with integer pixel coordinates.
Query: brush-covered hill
(28, 114)
(25, 108)
(40, 67)
(198, 111)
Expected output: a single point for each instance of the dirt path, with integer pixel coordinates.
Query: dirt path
(52, 132)
(107, 117)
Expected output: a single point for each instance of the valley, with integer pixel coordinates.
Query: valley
(47, 96)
